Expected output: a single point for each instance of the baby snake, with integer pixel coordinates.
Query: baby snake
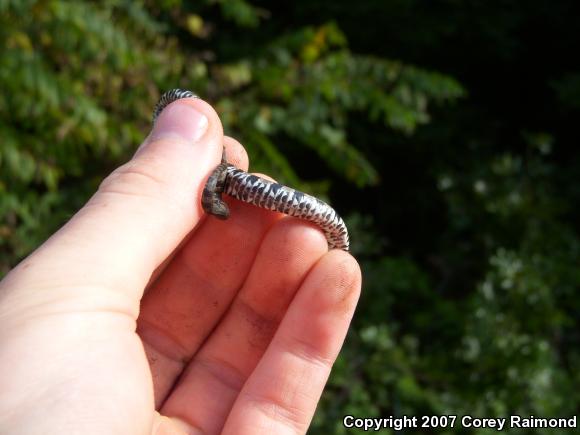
(252, 189)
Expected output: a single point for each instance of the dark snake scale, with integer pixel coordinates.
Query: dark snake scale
(262, 193)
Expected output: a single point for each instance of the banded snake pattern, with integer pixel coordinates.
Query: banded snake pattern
(262, 193)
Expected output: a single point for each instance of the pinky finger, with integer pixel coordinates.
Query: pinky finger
(282, 393)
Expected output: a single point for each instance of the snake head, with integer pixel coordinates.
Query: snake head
(217, 208)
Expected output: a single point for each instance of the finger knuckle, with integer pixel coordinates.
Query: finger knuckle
(133, 178)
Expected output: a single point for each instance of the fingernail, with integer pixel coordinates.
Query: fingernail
(181, 120)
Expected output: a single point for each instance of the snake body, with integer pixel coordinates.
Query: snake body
(262, 193)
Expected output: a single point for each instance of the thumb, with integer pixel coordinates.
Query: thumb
(140, 213)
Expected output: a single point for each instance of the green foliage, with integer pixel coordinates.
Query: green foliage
(74, 85)
(80, 80)
(462, 208)
(240, 12)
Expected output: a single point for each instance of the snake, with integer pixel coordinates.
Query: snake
(266, 194)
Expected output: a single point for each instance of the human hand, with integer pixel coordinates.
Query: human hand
(141, 316)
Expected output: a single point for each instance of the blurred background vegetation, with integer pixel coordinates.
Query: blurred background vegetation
(444, 131)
